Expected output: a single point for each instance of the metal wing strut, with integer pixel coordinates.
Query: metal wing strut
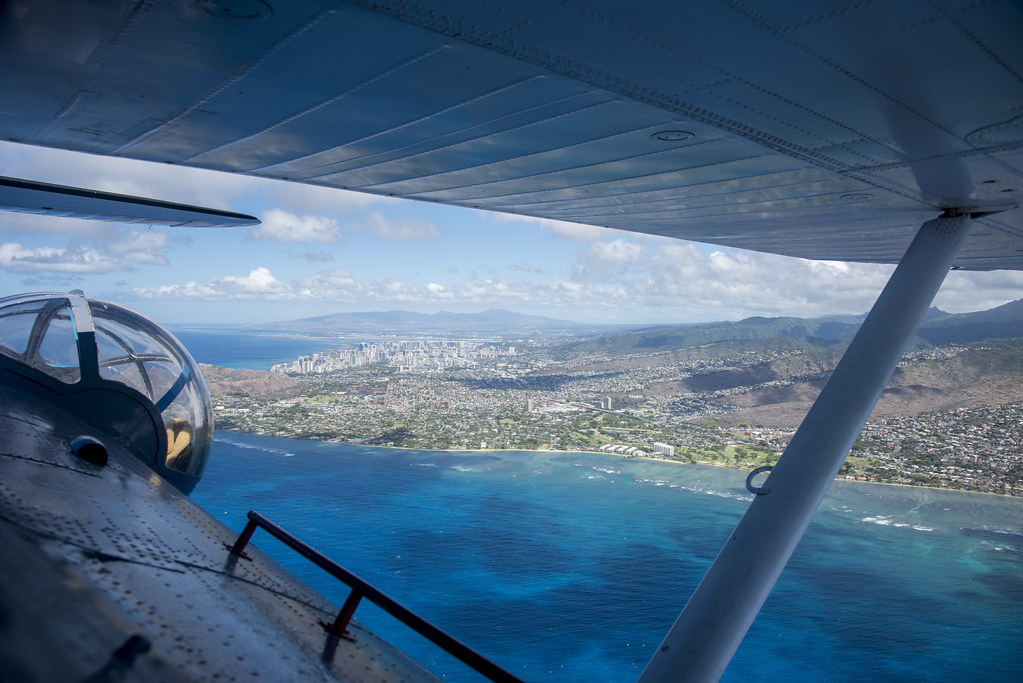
(703, 639)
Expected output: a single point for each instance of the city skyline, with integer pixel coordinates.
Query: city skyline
(320, 251)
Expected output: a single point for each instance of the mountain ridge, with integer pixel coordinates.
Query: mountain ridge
(494, 320)
(937, 328)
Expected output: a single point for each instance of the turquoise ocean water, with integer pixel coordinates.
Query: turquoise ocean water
(572, 566)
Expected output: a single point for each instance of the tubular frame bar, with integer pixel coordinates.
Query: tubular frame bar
(708, 631)
(362, 588)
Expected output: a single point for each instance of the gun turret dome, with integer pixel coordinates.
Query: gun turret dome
(119, 370)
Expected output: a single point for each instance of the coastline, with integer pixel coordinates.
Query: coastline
(512, 450)
(621, 457)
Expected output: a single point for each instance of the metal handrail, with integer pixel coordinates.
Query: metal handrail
(360, 589)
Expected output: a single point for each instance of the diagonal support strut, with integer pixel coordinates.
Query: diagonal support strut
(708, 631)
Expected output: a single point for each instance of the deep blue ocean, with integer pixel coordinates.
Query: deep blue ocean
(572, 567)
(251, 349)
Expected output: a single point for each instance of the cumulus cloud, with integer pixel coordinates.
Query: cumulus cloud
(18, 259)
(140, 246)
(609, 262)
(736, 283)
(122, 251)
(331, 285)
(258, 280)
(259, 284)
(616, 280)
(283, 226)
(966, 291)
(574, 232)
(338, 286)
(618, 251)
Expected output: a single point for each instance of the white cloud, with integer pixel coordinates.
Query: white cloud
(300, 197)
(394, 291)
(339, 287)
(16, 258)
(79, 259)
(287, 227)
(259, 284)
(120, 251)
(284, 226)
(673, 283)
(140, 246)
(493, 292)
(966, 291)
(334, 285)
(573, 232)
(732, 283)
(618, 251)
(381, 226)
(258, 280)
(603, 263)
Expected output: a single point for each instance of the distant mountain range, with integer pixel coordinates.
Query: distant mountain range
(938, 328)
(996, 323)
(492, 322)
(830, 332)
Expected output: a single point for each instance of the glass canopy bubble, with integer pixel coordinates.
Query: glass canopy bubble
(84, 349)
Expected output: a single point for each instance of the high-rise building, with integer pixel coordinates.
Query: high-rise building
(663, 448)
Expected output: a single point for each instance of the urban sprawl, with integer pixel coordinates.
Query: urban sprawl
(491, 394)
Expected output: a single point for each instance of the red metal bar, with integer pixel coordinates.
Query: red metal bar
(243, 538)
(340, 625)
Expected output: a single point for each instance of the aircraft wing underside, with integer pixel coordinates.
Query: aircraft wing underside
(820, 130)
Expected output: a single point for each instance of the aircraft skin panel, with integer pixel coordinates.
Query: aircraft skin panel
(639, 116)
(94, 555)
(518, 104)
(579, 165)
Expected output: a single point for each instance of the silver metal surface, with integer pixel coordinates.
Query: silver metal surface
(96, 554)
(26, 196)
(822, 130)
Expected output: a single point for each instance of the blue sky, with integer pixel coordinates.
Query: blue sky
(323, 251)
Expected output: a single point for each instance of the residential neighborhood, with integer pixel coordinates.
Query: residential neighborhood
(690, 408)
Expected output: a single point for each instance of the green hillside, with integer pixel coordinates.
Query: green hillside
(818, 333)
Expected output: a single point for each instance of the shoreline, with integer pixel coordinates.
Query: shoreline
(620, 457)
